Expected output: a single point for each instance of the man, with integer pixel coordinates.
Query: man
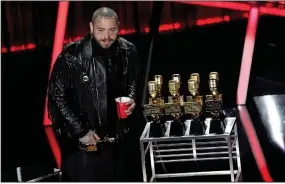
(87, 77)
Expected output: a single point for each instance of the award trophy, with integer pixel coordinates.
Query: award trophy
(92, 148)
(154, 109)
(176, 97)
(159, 81)
(173, 107)
(214, 105)
(193, 105)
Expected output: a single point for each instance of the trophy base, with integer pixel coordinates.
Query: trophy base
(157, 130)
(177, 129)
(197, 127)
(216, 127)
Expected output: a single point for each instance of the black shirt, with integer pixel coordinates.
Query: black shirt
(113, 65)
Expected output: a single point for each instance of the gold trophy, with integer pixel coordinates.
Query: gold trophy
(194, 103)
(214, 101)
(196, 77)
(175, 93)
(159, 81)
(154, 109)
(214, 104)
(91, 148)
(173, 107)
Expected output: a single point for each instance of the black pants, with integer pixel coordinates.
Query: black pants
(103, 165)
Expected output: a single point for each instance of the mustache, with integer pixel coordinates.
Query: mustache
(104, 40)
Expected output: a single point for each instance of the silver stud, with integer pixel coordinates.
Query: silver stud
(85, 78)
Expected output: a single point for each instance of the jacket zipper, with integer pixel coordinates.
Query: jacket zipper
(97, 95)
(90, 89)
(99, 118)
(125, 70)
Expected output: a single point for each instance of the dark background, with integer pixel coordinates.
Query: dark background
(201, 44)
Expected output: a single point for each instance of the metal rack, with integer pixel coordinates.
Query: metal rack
(191, 148)
(42, 178)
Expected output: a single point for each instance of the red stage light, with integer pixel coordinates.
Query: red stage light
(53, 144)
(247, 57)
(242, 94)
(57, 48)
(238, 6)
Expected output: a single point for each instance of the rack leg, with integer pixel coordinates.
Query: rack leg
(152, 161)
(239, 175)
(143, 162)
(231, 158)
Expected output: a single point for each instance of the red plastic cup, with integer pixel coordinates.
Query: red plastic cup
(122, 107)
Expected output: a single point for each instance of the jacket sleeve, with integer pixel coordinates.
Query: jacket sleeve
(58, 84)
(133, 72)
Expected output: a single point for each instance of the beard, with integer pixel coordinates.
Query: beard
(105, 43)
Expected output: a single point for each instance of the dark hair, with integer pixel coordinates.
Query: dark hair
(104, 12)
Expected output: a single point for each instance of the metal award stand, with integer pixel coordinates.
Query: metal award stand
(196, 147)
(42, 178)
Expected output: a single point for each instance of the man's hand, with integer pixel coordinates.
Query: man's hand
(132, 105)
(90, 138)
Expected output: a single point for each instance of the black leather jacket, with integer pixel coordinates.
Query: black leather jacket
(77, 89)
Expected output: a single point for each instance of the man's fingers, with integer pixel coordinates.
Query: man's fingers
(96, 137)
(93, 142)
(127, 111)
(90, 139)
(84, 141)
(132, 107)
(130, 102)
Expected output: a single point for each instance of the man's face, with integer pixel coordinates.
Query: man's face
(105, 31)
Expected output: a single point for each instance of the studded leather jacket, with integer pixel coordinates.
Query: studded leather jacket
(77, 89)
